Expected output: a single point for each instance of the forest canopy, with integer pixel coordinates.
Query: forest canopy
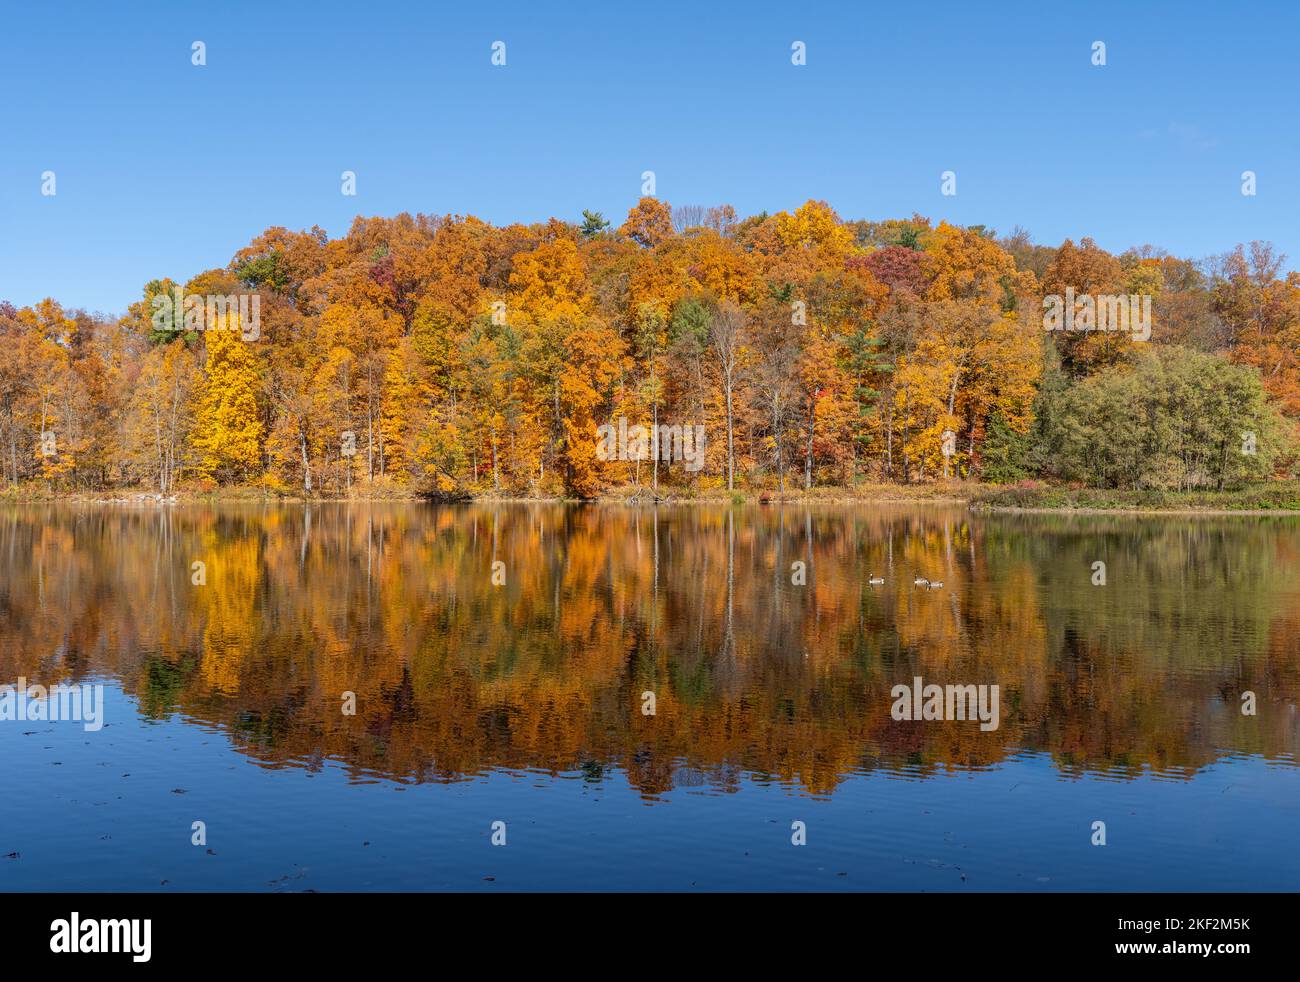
(445, 354)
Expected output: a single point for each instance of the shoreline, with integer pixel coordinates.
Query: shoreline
(985, 499)
(1143, 512)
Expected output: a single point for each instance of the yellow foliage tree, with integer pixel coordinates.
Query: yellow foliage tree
(228, 430)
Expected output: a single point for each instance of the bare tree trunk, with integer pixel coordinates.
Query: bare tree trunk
(780, 446)
(654, 439)
(496, 472)
(889, 442)
(907, 429)
(731, 442)
(807, 458)
(306, 461)
(370, 442)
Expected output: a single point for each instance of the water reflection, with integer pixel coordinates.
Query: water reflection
(755, 677)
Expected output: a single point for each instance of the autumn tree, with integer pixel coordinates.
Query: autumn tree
(228, 428)
(649, 222)
(727, 330)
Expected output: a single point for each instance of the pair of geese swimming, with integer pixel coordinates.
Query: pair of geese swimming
(921, 581)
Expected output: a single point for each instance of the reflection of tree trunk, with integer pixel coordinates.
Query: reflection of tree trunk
(776, 628)
(780, 557)
(808, 551)
(950, 570)
(557, 574)
(727, 653)
(306, 533)
(655, 609)
(654, 599)
(370, 536)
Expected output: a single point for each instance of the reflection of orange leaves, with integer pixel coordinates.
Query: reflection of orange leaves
(752, 674)
(230, 628)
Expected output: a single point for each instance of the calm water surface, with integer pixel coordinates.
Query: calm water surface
(522, 702)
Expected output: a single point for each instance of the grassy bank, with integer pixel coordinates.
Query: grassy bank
(1275, 496)
(1272, 497)
(236, 494)
(956, 492)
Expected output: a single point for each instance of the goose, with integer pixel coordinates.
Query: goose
(921, 581)
(875, 580)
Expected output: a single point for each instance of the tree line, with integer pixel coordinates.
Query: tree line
(445, 354)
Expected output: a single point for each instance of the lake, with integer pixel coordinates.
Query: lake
(496, 697)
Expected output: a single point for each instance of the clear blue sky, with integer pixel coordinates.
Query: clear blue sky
(165, 169)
